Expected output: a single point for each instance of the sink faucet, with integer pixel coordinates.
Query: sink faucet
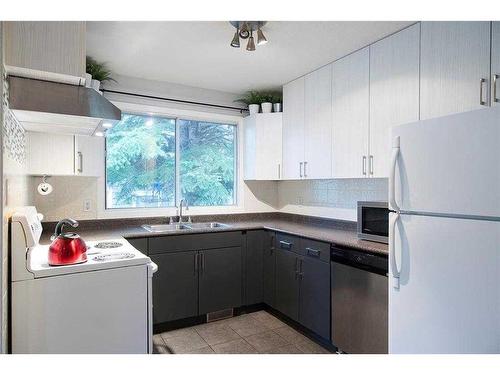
(181, 204)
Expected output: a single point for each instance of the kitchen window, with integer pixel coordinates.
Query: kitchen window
(154, 161)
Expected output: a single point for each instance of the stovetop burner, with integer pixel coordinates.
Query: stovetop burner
(108, 245)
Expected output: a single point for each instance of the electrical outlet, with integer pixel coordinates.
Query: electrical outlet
(300, 200)
(87, 205)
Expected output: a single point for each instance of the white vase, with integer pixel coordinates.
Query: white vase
(267, 107)
(88, 80)
(96, 85)
(253, 108)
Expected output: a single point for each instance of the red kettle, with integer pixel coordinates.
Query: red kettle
(66, 248)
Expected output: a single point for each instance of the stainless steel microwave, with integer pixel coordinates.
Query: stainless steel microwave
(373, 221)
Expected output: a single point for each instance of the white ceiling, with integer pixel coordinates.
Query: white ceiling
(198, 53)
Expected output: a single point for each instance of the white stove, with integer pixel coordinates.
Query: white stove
(98, 258)
(101, 306)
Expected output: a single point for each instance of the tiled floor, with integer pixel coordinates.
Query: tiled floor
(258, 332)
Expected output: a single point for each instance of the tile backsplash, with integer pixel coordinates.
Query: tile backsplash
(330, 198)
(67, 199)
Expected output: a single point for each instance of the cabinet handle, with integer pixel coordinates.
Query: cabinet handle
(279, 171)
(371, 165)
(296, 268)
(272, 244)
(301, 273)
(196, 263)
(285, 245)
(202, 262)
(305, 165)
(313, 252)
(364, 165)
(495, 78)
(300, 169)
(80, 162)
(481, 84)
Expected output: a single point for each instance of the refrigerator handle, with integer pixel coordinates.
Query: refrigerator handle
(395, 267)
(392, 175)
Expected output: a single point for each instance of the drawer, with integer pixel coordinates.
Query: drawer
(315, 249)
(287, 242)
(200, 241)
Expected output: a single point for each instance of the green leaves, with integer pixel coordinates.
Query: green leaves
(140, 162)
(98, 71)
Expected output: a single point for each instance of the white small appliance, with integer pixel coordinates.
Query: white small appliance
(101, 306)
(444, 235)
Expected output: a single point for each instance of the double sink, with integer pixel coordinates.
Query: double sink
(159, 228)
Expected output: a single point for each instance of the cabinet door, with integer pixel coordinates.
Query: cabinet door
(293, 129)
(394, 92)
(253, 266)
(350, 115)
(287, 283)
(269, 146)
(89, 156)
(220, 279)
(318, 123)
(57, 47)
(42, 158)
(495, 63)
(175, 286)
(269, 268)
(315, 296)
(455, 57)
(250, 147)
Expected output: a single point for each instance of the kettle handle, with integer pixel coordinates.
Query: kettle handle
(61, 223)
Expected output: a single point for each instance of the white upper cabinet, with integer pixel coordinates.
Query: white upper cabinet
(455, 67)
(318, 124)
(64, 155)
(495, 63)
(55, 47)
(262, 146)
(394, 92)
(89, 155)
(50, 154)
(293, 129)
(350, 106)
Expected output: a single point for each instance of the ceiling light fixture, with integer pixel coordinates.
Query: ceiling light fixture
(261, 39)
(236, 39)
(251, 43)
(245, 30)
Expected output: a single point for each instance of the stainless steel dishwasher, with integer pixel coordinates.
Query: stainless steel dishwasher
(359, 301)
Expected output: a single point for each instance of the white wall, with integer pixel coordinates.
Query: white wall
(172, 91)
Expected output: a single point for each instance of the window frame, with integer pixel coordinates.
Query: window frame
(176, 114)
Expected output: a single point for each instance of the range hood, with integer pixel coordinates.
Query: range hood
(47, 106)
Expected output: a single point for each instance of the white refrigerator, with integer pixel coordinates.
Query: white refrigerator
(444, 231)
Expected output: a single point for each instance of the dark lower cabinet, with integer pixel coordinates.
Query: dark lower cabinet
(314, 309)
(269, 268)
(287, 283)
(140, 244)
(220, 279)
(303, 286)
(175, 286)
(253, 266)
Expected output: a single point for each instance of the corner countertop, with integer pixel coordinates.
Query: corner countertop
(337, 232)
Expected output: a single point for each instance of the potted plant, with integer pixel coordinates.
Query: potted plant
(276, 99)
(98, 72)
(253, 100)
(267, 103)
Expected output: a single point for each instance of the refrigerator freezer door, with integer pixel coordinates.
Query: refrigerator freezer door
(448, 300)
(450, 165)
